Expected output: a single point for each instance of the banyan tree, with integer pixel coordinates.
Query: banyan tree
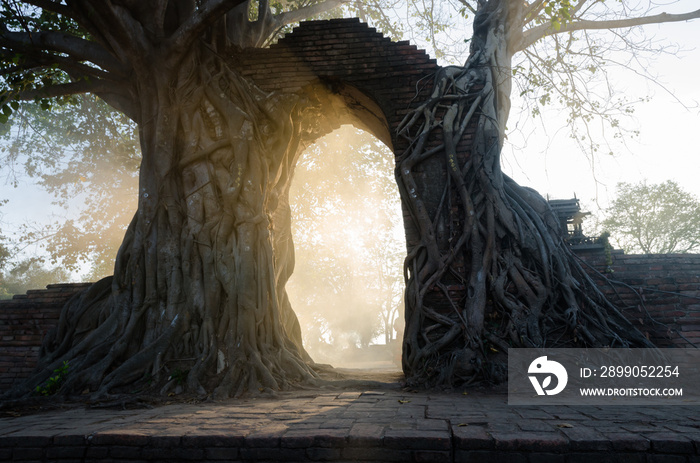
(198, 297)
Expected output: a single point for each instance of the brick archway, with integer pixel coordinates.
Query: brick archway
(365, 79)
(372, 81)
(340, 72)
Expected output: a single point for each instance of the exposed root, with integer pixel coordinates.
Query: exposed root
(485, 240)
(197, 304)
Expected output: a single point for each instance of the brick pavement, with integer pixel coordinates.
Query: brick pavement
(362, 425)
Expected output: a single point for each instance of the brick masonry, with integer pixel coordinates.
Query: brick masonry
(659, 293)
(358, 77)
(376, 81)
(24, 320)
(390, 425)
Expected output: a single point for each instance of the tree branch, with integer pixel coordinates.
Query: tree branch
(109, 91)
(78, 49)
(290, 17)
(71, 88)
(468, 6)
(196, 24)
(536, 33)
(114, 26)
(264, 10)
(75, 69)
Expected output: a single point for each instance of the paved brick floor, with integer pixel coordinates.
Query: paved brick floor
(361, 425)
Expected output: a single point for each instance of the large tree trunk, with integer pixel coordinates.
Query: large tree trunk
(197, 301)
(486, 242)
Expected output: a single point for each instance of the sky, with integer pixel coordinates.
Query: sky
(545, 159)
(666, 149)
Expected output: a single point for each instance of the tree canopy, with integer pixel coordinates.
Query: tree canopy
(86, 155)
(658, 218)
(85, 152)
(56, 48)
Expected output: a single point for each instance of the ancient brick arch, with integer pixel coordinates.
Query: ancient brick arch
(360, 77)
(374, 82)
(369, 80)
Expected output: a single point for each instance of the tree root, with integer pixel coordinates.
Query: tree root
(197, 304)
(497, 243)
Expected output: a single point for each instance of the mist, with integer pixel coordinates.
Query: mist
(347, 286)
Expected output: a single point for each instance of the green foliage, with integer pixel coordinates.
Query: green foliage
(18, 276)
(558, 12)
(5, 255)
(179, 376)
(567, 69)
(436, 26)
(51, 386)
(29, 273)
(604, 239)
(22, 74)
(87, 156)
(654, 219)
(83, 152)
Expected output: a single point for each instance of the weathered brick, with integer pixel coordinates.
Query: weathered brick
(417, 439)
(27, 453)
(323, 454)
(582, 438)
(670, 442)
(272, 454)
(628, 442)
(375, 454)
(487, 456)
(124, 452)
(61, 452)
(366, 435)
(117, 438)
(529, 441)
(221, 453)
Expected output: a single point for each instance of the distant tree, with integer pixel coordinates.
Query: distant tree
(4, 258)
(16, 277)
(658, 218)
(86, 155)
(29, 274)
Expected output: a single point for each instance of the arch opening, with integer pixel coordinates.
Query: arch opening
(347, 286)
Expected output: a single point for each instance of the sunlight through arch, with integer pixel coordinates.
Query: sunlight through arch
(347, 286)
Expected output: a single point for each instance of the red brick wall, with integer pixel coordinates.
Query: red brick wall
(660, 293)
(24, 320)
